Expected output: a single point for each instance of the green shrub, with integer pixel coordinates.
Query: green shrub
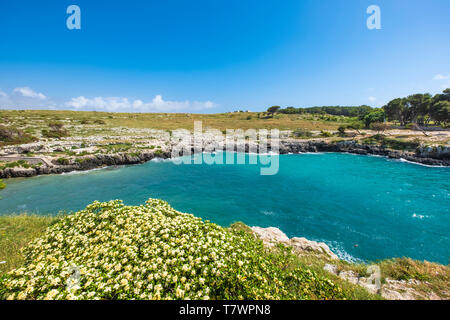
(11, 136)
(397, 144)
(325, 134)
(119, 147)
(56, 130)
(158, 153)
(56, 126)
(300, 133)
(63, 161)
(341, 130)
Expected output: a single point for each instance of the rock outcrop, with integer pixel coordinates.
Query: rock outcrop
(272, 236)
(390, 289)
(83, 164)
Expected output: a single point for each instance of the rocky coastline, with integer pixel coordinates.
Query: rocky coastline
(390, 289)
(426, 156)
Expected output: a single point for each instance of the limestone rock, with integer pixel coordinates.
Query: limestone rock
(330, 268)
(271, 236)
(303, 244)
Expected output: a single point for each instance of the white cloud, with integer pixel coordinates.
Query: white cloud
(441, 77)
(28, 92)
(2, 94)
(158, 104)
(372, 99)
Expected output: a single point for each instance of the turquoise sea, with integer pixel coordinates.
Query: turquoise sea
(363, 207)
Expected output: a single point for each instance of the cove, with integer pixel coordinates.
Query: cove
(387, 208)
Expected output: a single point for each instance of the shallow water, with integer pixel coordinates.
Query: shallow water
(387, 208)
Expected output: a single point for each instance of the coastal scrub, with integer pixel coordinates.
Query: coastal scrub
(113, 251)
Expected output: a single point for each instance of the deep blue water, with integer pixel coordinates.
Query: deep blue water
(388, 208)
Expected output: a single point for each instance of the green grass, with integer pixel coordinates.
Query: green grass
(16, 232)
(434, 277)
(97, 122)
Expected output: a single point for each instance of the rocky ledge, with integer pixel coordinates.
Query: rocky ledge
(272, 236)
(438, 156)
(86, 163)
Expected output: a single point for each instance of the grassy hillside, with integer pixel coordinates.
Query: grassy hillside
(33, 121)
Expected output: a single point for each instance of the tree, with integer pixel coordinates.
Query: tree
(374, 116)
(272, 110)
(378, 126)
(418, 106)
(356, 125)
(395, 110)
(341, 131)
(290, 110)
(439, 109)
(440, 112)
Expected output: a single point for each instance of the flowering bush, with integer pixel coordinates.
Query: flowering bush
(113, 251)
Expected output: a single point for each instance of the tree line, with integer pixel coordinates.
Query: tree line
(348, 111)
(419, 108)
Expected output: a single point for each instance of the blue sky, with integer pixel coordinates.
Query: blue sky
(219, 55)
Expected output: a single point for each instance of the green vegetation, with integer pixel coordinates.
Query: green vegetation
(16, 232)
(397, 144)
(56, 130)
(374, 116)
(272, 110)
(14, 164)
(333, 110)
(10, 136)
(434, 277)
(63, 161)
(154, 252)
(325, 134)
(82, 123)
(158, 153)
(119, 147)
(301, 133)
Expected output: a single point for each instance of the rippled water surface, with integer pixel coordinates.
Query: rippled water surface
(385, 207)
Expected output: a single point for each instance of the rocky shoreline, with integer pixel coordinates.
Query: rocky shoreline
(426, 156)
